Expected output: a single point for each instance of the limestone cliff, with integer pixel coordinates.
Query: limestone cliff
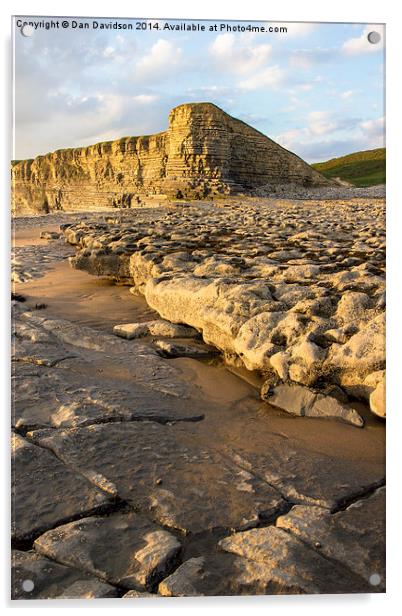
(204, 152)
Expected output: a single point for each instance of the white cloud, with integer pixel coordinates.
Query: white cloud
(320, 123)
(325, 136)
(361, 44)
(144, 98)
(79, 89)
(291, 138)
(270, 77)
(84, 120)
(236, 55)
(223, 44)
(348, 94)
(108, 51)
(162, 58)
(305, 87)
(308, 58)
(374, 129)
(246, 60)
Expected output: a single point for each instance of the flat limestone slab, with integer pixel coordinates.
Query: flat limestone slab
(100, 378)
(56, 398)
(124, 549)
(305, 476)
(284, 565)
(45, 492)
(354, 537)
(73, 343)
(52, 580)
(161, 470)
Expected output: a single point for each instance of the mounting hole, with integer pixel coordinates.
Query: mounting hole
(375, 579)
(27, 30)
(28, 585)
(374, 37)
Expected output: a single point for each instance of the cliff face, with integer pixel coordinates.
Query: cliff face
(204, 152)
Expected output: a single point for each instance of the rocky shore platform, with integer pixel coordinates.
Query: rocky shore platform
(226, 435)
(294, 290)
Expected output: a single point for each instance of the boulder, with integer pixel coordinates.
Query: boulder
(299, 400)
(50, 235)
(353, 306)
(363, 354)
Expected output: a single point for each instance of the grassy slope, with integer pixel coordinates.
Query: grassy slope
(361, 168)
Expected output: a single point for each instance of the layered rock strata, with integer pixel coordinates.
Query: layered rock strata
(203, 152)
(295, 291)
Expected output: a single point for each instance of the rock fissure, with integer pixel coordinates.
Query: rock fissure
(359, 496)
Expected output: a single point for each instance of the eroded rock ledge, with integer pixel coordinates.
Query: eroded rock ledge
(203, 152)
(293, 290)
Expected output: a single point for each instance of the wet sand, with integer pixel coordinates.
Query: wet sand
(84, 299)
(31, 236)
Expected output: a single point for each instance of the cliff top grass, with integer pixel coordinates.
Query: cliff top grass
(362, 169)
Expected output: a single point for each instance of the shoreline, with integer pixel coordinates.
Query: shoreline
(187, 445)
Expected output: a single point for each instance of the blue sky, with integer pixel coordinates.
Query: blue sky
(317, 90)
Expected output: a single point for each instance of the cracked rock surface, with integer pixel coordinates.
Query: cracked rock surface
(125, 549)
(279, 560)
(292, 289)
(163, 470)
(355, 535)
(45, 492)
(141, 471)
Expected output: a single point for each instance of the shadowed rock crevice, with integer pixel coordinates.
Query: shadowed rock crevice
(364, 493)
